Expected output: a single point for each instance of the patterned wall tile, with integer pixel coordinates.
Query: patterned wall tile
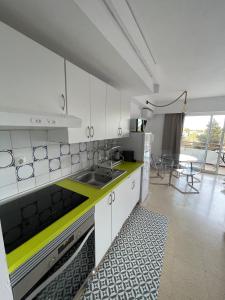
(5, 139)
(8, 190)
(74, 148)
(23, 153)
(40, 152)
(7, 176)
(65, 161)
(42, 179)
(25, 172)
(64, 149)
(53, 151)
(25, 185)
(90, 155)
(55, 175)
(6, 159)
(84, 160)
(44, 161)
(41, 167)
(83, 147)
(54, 164)
(75, 159)
(20, 139)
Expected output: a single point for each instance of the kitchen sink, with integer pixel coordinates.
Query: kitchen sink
(99, 177)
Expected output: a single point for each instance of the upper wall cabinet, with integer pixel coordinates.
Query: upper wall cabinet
(125, 115)
(31, 76)
(113, 113)
(98, 114)
(78, 101)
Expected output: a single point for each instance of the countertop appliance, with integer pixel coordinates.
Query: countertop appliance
(128, 155)
(140, 143)
(138, 125)
(28, 215)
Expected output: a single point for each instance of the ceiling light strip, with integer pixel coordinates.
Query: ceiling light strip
(128, 38)
(140, 30)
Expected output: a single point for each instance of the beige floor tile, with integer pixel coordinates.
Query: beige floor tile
(194, 261)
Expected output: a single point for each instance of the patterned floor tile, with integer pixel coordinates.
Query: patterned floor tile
(132, 266)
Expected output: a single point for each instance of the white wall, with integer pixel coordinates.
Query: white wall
(135, 110)
(200, 105)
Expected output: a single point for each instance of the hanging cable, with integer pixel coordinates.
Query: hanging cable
(172, 102)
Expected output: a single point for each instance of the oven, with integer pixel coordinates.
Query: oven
(61, 267)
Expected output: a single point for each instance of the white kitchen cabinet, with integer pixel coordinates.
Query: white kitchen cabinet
(78, 102)
(135, 184)
(113, 114)
(98, 115)
(32, 77)
(120, 207)
(5, 286)
(103, 225)
(124, 115)
(112, 211)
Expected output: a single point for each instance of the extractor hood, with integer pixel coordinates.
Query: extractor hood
(26, 120)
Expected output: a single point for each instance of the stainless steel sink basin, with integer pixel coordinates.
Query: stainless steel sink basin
(99, 178)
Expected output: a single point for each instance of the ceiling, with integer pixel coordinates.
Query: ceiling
(184, 37)
(188, 44)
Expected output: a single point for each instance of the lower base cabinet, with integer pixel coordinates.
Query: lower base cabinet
(103, 225)
(112, 211)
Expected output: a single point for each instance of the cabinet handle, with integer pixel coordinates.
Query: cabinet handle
(114, 197)
(88, 132)
(63, 105)
(110, 199)
(92, 132)
(133, 185)
(121, 133)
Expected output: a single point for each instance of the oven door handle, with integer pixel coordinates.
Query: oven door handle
(61, 269)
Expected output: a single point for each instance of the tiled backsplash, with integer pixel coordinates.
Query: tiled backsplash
(28, 160)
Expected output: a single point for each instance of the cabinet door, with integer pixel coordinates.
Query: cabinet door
(120, 207)
(136, 184)
(125, 115)
(32, 78)
(112, 113)
(102, 228)
(78, 101)
(98, 102)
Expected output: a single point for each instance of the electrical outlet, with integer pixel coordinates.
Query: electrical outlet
(20, 160)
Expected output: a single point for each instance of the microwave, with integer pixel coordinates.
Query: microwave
(138, 125)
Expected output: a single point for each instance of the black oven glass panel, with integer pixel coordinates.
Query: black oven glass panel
(26, 216)
(67, 283)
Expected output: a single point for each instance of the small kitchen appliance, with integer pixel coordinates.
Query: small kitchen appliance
(128, 155)
(138, 125)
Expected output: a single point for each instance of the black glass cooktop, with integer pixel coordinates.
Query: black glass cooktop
(24, 217)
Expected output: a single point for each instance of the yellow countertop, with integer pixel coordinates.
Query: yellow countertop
(21, 254)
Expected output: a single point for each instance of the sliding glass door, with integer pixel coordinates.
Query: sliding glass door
(214, 151)
(203, 137)
(195, 136)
